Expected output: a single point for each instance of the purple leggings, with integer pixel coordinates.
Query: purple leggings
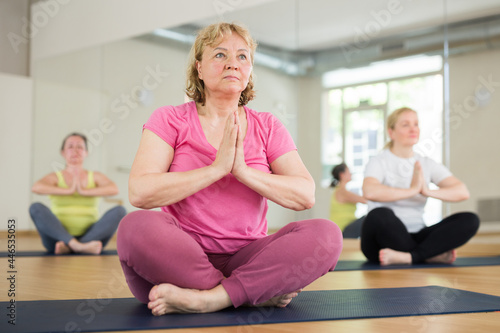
(153, 249)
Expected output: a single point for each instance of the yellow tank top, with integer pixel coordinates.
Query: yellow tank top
(76, 212)
(342, 213)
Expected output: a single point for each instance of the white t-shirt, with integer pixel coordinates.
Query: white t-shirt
(395, 171)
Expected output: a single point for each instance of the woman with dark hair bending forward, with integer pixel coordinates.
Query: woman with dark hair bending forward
(396, 186)
(211, 165)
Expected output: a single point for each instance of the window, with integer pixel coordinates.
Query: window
(353, 127)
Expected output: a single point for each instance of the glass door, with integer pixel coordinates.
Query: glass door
(364, 137)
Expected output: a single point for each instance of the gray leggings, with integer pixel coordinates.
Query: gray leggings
(52, 231)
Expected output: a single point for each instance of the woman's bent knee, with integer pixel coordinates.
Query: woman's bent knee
(139, 227)
(120, 211)
(36, 207)
(329, 239)
(324, 226)
(472, 222)
(137, 221)
(380, 213)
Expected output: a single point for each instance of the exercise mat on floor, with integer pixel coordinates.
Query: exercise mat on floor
(361, 265)
(118, 314)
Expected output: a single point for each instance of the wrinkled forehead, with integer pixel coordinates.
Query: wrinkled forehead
(214, 41)
(221, 39)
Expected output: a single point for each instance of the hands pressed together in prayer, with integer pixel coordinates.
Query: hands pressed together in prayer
(230, 156)
(418, 181)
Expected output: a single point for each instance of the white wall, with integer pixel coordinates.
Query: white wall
(14, 57)
(15, 116)
(15, 145)
(66, 99)
(475, 124)
(61, 26)
(309, 135)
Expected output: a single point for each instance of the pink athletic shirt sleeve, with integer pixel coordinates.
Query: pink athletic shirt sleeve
(227, 215)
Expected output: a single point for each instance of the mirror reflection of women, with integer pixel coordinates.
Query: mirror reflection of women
(72, 223)
(343, 203)
(396, 185)
(211, 165)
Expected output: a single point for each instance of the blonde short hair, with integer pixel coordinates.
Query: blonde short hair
(393, 119)
(212, 36)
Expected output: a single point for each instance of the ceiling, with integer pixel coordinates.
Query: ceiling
(312, 25)
(314, 35)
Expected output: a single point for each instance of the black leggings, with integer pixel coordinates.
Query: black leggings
(383, 229)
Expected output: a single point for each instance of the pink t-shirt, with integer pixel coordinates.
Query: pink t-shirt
(227, 215)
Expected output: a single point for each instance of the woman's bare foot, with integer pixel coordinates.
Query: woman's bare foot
(61, 248)
(392, 257)
(280, 301)
(167, 298)
(92, 247)
(447, 257)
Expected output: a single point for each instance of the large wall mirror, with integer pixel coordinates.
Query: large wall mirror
(330, 70)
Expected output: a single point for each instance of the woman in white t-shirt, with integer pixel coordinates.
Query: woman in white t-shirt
(396, 185)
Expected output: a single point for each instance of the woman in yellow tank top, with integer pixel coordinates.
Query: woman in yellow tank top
(72, 223)
(343, 203)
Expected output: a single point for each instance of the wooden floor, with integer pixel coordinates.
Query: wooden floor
(97, 277)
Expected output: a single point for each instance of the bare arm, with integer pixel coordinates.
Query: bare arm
(373, 190)
(151, 186)
(290, 185)
(450, 189)
(48, 186)
(345, 196)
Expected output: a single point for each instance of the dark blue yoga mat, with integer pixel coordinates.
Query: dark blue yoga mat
(360, 265)
(120, 314)
(45, 253)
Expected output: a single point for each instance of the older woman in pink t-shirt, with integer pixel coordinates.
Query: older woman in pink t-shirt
(211, 165)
